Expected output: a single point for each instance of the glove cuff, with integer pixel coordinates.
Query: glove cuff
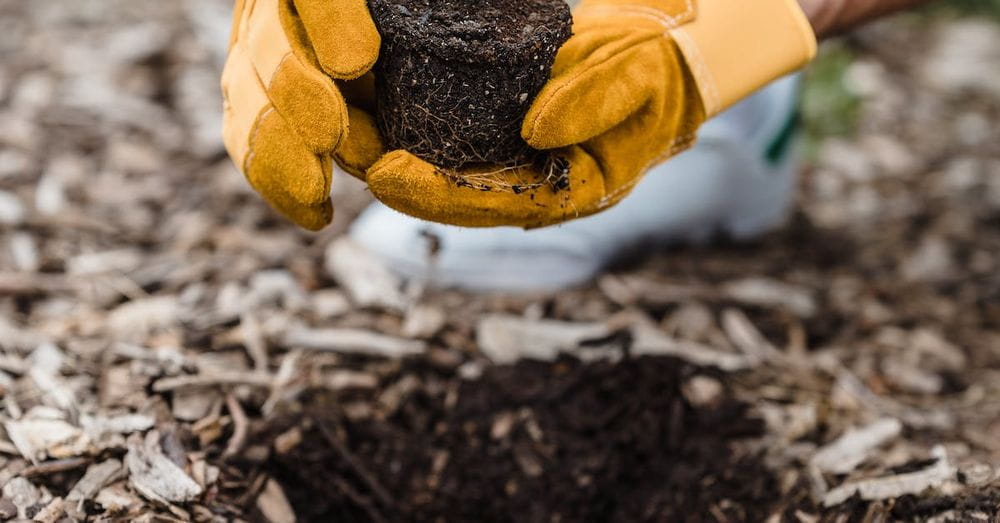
(735, 47)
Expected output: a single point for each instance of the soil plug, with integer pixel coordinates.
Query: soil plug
(455, 78)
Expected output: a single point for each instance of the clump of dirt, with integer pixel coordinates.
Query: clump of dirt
(456, 77)
(561, 441)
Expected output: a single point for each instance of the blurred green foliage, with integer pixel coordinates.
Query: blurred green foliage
(829, 107)
(984, 7)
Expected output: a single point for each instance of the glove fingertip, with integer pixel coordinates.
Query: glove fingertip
(280, 163)
(315, 218)
(311, 104)
(363, 146)
(394, 171)
(343, 35)
(357, 55)
(411, 186)
(553, 121)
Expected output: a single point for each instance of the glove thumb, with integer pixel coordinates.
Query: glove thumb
(601, 78)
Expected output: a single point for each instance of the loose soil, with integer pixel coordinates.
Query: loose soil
(455, 78)
(536, 441)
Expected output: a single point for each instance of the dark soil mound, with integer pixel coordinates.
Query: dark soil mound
(534, 442)
(456, 77)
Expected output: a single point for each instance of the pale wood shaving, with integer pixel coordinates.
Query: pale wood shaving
(895, 486)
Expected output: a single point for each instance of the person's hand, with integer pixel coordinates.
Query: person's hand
(284, 114)
(629, 89)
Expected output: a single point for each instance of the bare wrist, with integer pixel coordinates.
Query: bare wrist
(829, 17)
(822, 14)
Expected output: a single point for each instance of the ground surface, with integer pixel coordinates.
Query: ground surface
(169, 349)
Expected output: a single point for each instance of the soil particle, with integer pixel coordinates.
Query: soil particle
(455, 78)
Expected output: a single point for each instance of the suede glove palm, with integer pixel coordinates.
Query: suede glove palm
(284, 114)
(629, 90)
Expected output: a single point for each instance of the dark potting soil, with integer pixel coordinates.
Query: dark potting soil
(562, 441)
(456, 77)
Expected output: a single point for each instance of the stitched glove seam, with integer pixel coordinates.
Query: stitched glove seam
(353, 74)
(679, 144)
(703, 75)
(257, 125)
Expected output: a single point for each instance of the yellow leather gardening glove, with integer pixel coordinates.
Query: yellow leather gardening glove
(629, 90)
(284, 115)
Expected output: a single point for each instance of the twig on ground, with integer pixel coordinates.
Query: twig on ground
(216, 379)
(240, 426)
(54, 467)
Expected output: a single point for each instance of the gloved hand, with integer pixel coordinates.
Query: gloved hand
(629, 90)
(284, 114)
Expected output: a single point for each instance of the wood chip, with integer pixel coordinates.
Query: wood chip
(274, 505)
(853, 447)
(930, 342)
(650, 341)
(895, 486)
(204, 474)
(253, 339)
(329, 304)
(288, 440)
(37, 437)
(703, 391)
(154, 475)
(340, 379)
(52, 512)
(96, 478)
(22, 494)
(24, 249)
(629, 290)
(117, 498)
(54, 467)
(193, 403)
(769, 293)
(278, 287)
(12, 211)
(13, 364)
(136, 320)
(507, 339)
(97, 427)
(240, 426)
(789, 422)
(8, 510)
(745, 335)
(365, 277)
(215, 379)
(353, 341)
(911, 378)
(849, 384)
(423, 321)
(22, 284)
